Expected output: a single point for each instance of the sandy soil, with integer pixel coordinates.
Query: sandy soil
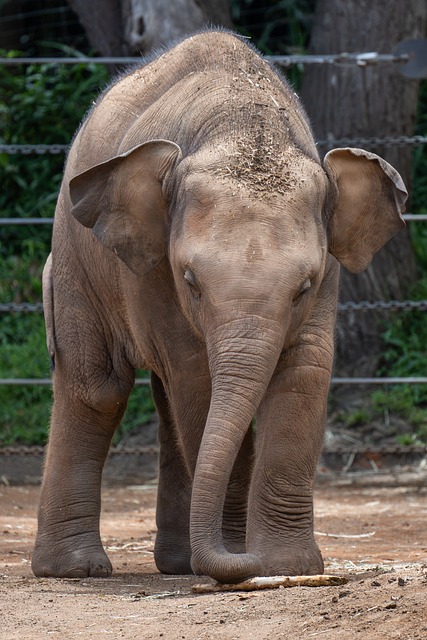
(374, 535)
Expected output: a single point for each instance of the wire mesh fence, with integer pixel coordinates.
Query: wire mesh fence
(358, 59)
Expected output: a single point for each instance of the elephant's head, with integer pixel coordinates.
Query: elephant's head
(248, 254)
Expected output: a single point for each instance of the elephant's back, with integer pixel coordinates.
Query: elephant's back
(203, 87)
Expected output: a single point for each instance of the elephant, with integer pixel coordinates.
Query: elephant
(198, 235)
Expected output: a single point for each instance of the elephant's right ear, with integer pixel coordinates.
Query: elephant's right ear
(122, 201)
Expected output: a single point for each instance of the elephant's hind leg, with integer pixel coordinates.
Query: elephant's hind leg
(88, 406)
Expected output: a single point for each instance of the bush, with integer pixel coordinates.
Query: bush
(39, 104)
(405, 337)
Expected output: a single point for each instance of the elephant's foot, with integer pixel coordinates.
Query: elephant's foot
(172, 553)
(50, 561)
(293, 561)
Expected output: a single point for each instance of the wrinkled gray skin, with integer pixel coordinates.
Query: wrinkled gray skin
(198, 235)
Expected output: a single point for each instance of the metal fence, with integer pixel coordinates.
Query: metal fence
(359, 59)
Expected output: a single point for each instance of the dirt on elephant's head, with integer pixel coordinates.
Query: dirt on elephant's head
(260, 164)
(260, 158)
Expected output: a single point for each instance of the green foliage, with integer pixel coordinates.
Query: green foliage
(405, 337)
(24, 410)
(410, 403)
(275, 26)
(20, 280)
(139, 410)
(356, 417)
(405, 354)
(411, 439)
(39, 104)
(406, 347)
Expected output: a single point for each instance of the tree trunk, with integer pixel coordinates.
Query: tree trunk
(373, 101)
(134, 27)
(102, 21)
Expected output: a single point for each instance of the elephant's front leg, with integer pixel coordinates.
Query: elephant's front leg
(68, 543)
(290, 427)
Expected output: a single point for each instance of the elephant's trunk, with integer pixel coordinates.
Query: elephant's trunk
(242, 359)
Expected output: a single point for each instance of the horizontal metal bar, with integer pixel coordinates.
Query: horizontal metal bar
(75, 60)
(419, 380)
(21, 307)
(362, 305)
(45, 382)
(20, 382)
(359, 59)
(26, 221)
(402, 141)
(38, 149)
(408, 217)
(386, 141)
(146, 381)
(373, 141)
(358, 449)
(382, 305)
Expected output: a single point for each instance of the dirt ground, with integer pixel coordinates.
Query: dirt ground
(371, 533)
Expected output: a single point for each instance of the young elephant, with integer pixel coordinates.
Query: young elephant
(198, 235)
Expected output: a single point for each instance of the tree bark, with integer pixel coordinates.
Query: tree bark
(133, 27)
(150, 24)
(373, 101)
(102, 21)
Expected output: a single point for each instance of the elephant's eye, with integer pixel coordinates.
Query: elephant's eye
(306, 285)
(191, 281)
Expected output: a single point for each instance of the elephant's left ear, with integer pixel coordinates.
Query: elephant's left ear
(370, 199)
(122, 201)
